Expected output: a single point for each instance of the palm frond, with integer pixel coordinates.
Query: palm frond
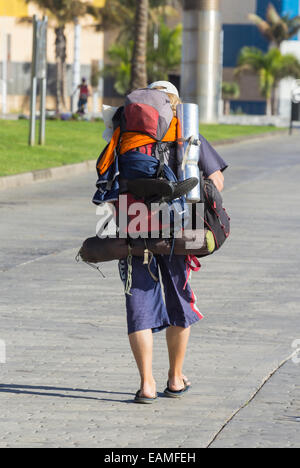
(262, 25)
(230, 90)
(272, 15)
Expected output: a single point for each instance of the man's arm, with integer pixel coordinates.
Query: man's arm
(218, 179)
(211, 163)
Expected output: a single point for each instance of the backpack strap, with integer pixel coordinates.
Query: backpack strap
(190, 259)
(109, 155)
(160, 152)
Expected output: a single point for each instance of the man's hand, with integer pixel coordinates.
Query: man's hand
(218, 179)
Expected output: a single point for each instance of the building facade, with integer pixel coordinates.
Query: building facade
(240, 32)
(16, 50)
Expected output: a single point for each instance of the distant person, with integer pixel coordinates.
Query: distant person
(84, 94)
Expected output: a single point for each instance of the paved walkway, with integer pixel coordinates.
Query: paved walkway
(70, 378)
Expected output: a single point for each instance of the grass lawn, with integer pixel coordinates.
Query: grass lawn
(73, 142)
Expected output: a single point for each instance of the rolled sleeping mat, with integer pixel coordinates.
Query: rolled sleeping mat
(97, 250)
(188, 147)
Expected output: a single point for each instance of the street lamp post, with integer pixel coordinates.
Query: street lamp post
(76, 65)
(201, 57)
(3, 81)
(38, 73)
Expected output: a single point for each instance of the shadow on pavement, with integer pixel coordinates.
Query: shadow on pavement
(36, 390)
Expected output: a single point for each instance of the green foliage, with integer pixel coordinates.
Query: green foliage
(72, 142)
(120, 56)
(167, 56)
(63, 11)
(95, 75)
(120, 14)
(271, 67)
(116, 14)
(66, 143)
(160, 61)
(230, 90)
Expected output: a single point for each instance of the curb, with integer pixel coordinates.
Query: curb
(56, 173)
(250, 138)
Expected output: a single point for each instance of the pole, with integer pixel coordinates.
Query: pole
(33, 86)
(4, 76)
(43, 111)
(76, 65)
(201, 57)
(43, 85)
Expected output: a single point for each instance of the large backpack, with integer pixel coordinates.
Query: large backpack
(147, 115)
(216, 218)
(148, 112)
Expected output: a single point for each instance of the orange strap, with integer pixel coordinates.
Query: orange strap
(109, 155)
(131, 140)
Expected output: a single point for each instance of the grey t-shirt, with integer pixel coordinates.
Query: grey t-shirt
(209, 160)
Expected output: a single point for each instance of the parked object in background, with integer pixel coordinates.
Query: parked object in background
(66, 116)
(295, 109)
(287, 85)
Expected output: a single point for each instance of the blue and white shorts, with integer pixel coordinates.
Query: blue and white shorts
(158, 304)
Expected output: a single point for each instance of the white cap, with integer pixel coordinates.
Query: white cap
(169, 87)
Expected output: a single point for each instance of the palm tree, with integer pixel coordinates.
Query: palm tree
(161, 60)
(165, 56)
(271, 67)
(230, 90)
(62, 12)
(120, 15)
(119, 67)
(134, 19)
(139, 56)
(275, 28)
(116, 14)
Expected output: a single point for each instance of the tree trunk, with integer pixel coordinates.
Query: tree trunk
(64, 86)
(61, 55)
(227, 107)
(95, 101)
(276, 99)
(58, 87)
(76, 66)
(139, 69)
(269, 107)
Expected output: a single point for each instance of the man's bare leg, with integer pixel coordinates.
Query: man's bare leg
(141, 343)
(177, 340)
